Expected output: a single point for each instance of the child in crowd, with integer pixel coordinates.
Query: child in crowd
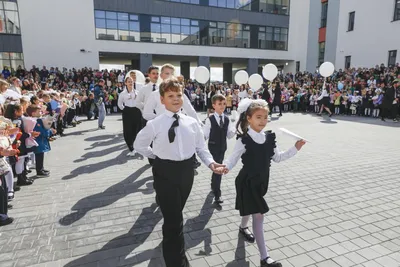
(217, 128)
(257, 149)
(176, 138)
(377, 101)
(42, 140)
(229, 99)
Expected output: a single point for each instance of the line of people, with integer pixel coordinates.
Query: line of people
(172, 135)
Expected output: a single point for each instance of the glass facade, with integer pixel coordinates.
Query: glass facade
(280, 7)
(9, 20)
(117, 26)
(272, 38)
(396, 10)
(12, 60)
(173, 30)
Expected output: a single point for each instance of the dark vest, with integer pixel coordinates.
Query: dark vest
(217, 139)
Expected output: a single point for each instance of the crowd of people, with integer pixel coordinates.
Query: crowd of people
(37, 106)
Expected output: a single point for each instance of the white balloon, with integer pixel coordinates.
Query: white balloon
(202, 74)
(255, 81)
(270, 71)
(241, 77)
(326, 69)
(139, 76)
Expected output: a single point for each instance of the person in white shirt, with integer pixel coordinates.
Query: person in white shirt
(137, 86)
(121, 77)
(154, 107)
(131, 115)
(256, 148)
(325, 99)
(176, 138)
(145, 92)
(217, 129)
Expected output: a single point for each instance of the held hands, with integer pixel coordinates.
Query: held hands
(299, 144)
(219, 168)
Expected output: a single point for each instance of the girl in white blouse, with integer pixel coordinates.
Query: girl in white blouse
(256, 148)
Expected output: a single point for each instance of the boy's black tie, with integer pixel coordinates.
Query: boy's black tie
(154, 87)
(221, 124)
(134, 86)
(171, 131)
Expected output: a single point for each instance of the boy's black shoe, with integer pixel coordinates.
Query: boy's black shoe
(16, 188)
(102, 127)
(264, 263)
(6, 221)
(24, 181)
(249, 237)
(42, 174)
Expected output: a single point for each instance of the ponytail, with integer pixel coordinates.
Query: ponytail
(242, 125)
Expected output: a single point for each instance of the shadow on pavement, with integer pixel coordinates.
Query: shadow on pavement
(109, 196)
(140, 231)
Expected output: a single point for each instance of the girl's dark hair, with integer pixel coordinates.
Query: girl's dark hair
(243, 124)
(10, 111)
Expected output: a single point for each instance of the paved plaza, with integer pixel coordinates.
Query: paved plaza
(337, 203)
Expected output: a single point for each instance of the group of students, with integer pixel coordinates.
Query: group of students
(28, 122)
(162, 126)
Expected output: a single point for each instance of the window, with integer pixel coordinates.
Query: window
(352, 16)
(280, 7)
(321, 55)
(272, 38)
(297, 66)
(11, 60)
(9, 19)
(396, 10)
(324, 14)
(117, 26)
(347, 62)
(392, 58)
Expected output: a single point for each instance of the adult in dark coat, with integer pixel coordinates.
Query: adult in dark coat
(277, 98)
(387, 102)
(267, 97)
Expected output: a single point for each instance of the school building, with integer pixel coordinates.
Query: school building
(230, 34)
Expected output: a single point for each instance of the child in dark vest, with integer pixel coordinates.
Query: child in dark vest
(176, 138)
(216, 129)
(256, 148)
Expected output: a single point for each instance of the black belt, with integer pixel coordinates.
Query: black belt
(176, 161)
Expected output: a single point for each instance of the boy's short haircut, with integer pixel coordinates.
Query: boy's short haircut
(168, 66)
(170, 85)
(217, 97)
(45, 95)
(152, 68)
(31, 109)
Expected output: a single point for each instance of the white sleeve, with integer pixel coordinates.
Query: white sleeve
(281, 156)
(143, 141)
(231, 129)
(238, 151)
(201, 148)
(149, 107)
(121, 101)
(207, 129)
(141, 96)
(189, 110)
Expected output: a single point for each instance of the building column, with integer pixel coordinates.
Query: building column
(185, 69)
(252, 66)
(145, 61)
(227, 72)
(204, 61)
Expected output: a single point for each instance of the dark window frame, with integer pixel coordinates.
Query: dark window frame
(321, 53)
(7, 21)
(297, 66)
(203, 33)
(392, 57)
(351, 22)
(347, 62)
(396, 14)
(324, 14)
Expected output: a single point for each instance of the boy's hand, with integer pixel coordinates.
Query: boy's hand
(299, 144)
(54, 131)
(217, 168)
(35, 134)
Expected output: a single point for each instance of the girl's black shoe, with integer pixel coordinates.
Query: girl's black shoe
(264, 263)
(249, 237)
